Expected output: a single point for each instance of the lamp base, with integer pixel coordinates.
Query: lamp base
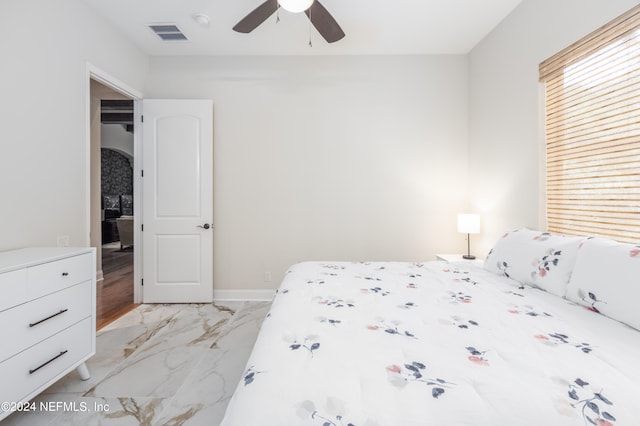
(468, 256)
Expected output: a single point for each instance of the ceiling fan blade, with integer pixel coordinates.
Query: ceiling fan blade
(257, 17)
(324, 22)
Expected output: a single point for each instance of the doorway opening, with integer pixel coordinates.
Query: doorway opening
(112, 200)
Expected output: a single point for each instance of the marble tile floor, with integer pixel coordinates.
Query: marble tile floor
(157, 365)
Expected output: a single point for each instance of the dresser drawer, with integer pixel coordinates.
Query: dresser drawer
(13, 288)
(27, 324)
(53, 276)
(42, 363)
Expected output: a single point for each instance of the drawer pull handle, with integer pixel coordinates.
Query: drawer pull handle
(65, 274)
(33, 324)
(51, 360)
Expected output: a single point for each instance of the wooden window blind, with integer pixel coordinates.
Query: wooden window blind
(593, 133)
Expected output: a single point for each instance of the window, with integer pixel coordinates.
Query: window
(593, 133)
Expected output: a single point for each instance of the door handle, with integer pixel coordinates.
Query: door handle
(205, 226)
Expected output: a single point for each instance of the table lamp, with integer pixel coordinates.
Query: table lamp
(468, 224)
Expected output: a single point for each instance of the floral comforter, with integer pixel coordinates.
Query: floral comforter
(389, 343)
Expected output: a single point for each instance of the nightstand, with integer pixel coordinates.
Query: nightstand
(458, 258)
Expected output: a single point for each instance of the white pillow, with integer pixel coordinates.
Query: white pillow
(535, 258)
(606, 279)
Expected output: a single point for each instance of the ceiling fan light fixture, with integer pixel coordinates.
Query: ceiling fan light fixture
(295, 6)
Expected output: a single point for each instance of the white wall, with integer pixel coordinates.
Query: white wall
(328, 158)
(506, 131)
(44, 47)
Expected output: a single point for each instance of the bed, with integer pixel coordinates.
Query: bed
(544, 333)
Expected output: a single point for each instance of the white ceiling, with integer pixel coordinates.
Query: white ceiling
(372, 27)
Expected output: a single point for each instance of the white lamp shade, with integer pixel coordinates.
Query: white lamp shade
(469, 223)
(295, 6)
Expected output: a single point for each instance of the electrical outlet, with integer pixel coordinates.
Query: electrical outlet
(63, 241)
(267, 276)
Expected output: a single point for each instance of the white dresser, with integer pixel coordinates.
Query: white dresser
(47, 318)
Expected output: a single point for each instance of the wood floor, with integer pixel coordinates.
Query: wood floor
(115, 291)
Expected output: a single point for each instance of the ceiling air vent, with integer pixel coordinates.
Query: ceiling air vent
(168, 32)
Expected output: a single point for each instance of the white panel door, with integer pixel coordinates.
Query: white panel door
(178, 201)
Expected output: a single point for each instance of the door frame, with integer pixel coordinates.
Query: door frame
(94, 73)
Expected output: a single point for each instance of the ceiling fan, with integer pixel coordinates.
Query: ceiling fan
(317, 14)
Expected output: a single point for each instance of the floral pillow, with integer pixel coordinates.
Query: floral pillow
(606, 279)
(535, 258)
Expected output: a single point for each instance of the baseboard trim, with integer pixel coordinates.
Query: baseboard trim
(246, 294)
